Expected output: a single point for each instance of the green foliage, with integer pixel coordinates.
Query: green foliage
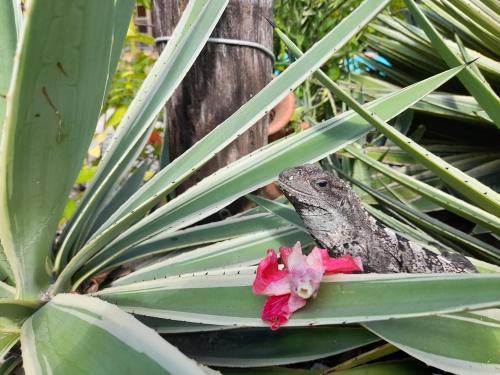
(201, 290)
(305, 22)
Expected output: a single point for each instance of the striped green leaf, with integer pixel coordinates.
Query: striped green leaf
(10, 364)
(242, 250)
(7, 341)
(119, 195)
(409, 231)
(52, 108)
(227, 299)
(397, 367)
(279, 209)
(7, 291)
(434, 225)
(6, 274)
(177, 326)
(115, 342)
(464, 343)
(368, 356)
(14, 312)
(10, 25)
(190, 237)
(443, 104)
(478, 23)
(243, 347)
(445, 200)
(481, 91)
(271, 371)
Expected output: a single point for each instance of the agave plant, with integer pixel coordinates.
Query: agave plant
(58, 65)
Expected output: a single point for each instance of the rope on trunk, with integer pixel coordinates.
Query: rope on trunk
(234, 42)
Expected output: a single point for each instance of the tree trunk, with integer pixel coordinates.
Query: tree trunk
(223, 78)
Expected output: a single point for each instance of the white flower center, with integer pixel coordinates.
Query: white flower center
(305, 290)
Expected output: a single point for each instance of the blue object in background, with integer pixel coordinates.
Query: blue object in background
(353, 64)
(357, 64)
(283, 60)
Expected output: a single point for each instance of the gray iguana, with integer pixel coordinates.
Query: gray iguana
(336, 218)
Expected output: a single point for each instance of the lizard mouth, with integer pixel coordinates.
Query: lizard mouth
(287, 189)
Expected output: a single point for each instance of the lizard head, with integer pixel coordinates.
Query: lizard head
(327, 205)
(309, 183)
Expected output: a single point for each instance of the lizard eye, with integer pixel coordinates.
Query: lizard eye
(322, 184)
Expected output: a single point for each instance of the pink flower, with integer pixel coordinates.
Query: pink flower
(289, 286)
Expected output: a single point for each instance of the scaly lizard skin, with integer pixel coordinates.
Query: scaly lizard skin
(336, 218)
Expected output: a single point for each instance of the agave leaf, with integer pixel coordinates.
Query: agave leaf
(411, 44)
(434, 225)
(108, 346)
(472, 17)
(279, 209)
(443, 341)
(410, 232)
(123, 11)
(477, 192)
(495, 7)
(235, 252)
(466, 57)
(9, 365)
(450, 21)
(195, 26)
(395, 367)
(6, 274)
(483, 94)
(453, 106)
(121, 28)
(398, 367)
(52, 108)
(243, 347)
(270, 371)
(7, 341)
(14, 312)
(176, 326)
(121, 194)
(7, 291)
(253, 171)
(193, 236)
(98, 217)
(369, 356)
(445, 200)
(10, 24)
(414, 40)
(227, 299)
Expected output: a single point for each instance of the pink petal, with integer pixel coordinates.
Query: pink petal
(270, 280)
(278, 309)
(315, 260)
(284, 254)
(305, 272)
(295, 258)
(345, 264)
